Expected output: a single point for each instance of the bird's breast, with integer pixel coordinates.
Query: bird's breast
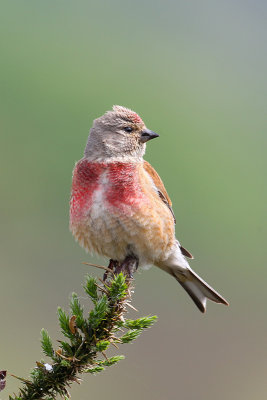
(98, 187)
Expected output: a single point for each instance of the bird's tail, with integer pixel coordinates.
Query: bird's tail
(198, 289)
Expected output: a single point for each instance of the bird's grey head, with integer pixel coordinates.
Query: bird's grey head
(119, 134)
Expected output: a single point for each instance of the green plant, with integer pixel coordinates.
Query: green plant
(87, 337)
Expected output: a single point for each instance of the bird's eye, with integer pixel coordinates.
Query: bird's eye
(128, 129)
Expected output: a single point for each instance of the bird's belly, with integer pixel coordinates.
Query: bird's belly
(115, 232)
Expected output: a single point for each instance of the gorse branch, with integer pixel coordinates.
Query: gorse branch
(87, 337)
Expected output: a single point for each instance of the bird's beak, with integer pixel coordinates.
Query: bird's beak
(147, 134)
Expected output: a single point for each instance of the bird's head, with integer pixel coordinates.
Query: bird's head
(119, 134)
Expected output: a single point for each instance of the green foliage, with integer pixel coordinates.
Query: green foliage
(107, 363)
(67, 348)
(94, 370)
(102, 345)
(140, 323)
(111, 361)
(77, 310)
(65, 363)
(130, 335)
(64, 323)
(46, 344)
(87, 338)
(91, 288)
(99, 312)
(36, 374)
(118, 288)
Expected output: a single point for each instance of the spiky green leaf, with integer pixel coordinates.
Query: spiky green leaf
(130, 335)
(67, 348)
(118, 288)
(64, 323)
(111, 361)
(91, 288)
(94, 370)
(140, 323)
(98, 314)
(65, 363)
(77, 310)
(46, 343)
(102, 345)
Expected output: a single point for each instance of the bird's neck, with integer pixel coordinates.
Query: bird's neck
(103, 159)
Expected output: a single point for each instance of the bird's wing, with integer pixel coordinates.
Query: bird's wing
(162, 192)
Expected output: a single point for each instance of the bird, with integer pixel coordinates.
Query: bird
(119, 207)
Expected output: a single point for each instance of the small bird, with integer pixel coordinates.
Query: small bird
(120, 208)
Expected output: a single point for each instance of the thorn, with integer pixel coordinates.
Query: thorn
(104, 354)
(114, 344)
(99, 266)
(22, 379)
(75, 379)
(129, 305)
(102, 281)
(72, 359)
(102, 289)
(113, 338)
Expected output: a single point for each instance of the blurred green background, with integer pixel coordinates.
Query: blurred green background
(196, 72)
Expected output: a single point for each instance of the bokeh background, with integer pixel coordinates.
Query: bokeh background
(196, 72)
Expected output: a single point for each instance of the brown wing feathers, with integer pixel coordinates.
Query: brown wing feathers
(157, 181)
(162, 192)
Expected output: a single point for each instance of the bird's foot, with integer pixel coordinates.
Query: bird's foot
(128, 266)
(113, 265)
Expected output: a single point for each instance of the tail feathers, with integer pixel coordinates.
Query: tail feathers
(199, 290)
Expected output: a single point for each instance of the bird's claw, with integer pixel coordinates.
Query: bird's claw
(127, 267)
